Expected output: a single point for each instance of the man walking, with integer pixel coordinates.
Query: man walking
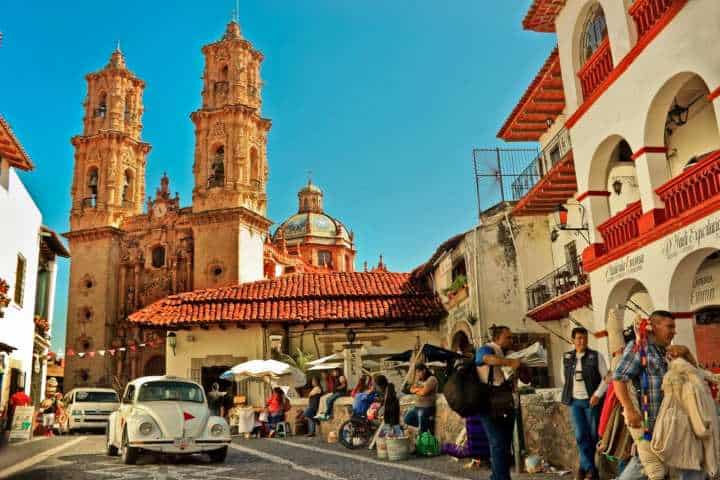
(489, 360)
(630, 370)
(584, 374)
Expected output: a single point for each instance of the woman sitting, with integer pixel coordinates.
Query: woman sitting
(425, 390)
(276, 407)
(313, 406)
(364, 385)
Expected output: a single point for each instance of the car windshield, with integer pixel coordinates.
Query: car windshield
(170, 391)
(97, 397)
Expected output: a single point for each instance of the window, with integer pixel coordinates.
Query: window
(101, 109)
(594, 33)
(170, 391)
(325, 258)
(96, 397)
(20, 279)
(129, 107)
(129, 394)
(127, 186)
(217, 169)
(93, 181)
(158, 257)
(571, 257)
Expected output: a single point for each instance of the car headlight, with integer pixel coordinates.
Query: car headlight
(146, 428)
(217, 429)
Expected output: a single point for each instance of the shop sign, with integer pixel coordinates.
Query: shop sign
(705, 287)
(22, 423)
(626, 266)
(352, 363)
(692, 237)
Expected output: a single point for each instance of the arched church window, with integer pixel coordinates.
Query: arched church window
(129, 107)
(594, 32)
(127, 186)
(101, 109)
(158, 256)
(325, 258)
(217, 168)
(93, 181)
(254, 167)
(224, 73)
(222, 86)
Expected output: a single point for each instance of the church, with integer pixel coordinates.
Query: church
(158, 287)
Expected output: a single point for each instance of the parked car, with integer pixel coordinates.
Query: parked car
(166, 415)
(88, 408)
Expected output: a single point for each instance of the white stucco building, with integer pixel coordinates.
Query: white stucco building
(27, 257)
(632, 86)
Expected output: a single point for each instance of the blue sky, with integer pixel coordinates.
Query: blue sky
(383, 100)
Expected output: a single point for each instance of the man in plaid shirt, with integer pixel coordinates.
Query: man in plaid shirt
(629, 370)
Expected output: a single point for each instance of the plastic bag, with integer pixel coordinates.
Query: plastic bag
(427, 445)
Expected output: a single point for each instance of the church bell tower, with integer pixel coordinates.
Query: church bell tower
(231, 168)
(109, 174)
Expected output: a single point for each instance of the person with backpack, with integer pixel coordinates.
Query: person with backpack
(498, 416)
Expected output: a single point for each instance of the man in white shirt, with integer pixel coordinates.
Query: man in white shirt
(584, 376)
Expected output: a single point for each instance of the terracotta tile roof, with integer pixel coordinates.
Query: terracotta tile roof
(11, 149)
(541, 15)
(299, 298)
(543, 100)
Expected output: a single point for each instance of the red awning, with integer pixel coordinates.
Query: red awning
(559, 307)
(543, 101)
(555, 188)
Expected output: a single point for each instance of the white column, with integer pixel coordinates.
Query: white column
(652, 171)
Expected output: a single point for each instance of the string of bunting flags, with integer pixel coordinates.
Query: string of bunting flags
(113, 351)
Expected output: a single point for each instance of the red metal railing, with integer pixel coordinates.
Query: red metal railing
(596, 69)
(621, 228)
(647, 13)
(692, 187)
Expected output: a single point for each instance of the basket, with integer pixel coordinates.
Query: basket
(397, 448)
(381, 445)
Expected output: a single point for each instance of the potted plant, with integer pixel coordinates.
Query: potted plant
(459, 283)
(4, 299)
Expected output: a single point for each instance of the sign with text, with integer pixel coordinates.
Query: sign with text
(626, 266)
(22, 423)
(352, 364)
(705, 232)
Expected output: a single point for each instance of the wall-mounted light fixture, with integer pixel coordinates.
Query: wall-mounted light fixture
(172, 341)
(561, 217)
(618, 182)
(351, 335)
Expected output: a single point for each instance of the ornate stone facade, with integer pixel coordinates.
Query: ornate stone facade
(127, 259)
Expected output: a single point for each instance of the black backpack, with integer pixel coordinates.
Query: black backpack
(465, 393)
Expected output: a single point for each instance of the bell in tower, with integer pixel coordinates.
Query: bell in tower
(109, 170)
(230, 166)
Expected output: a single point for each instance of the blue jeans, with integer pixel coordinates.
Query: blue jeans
(500, 435)
(585, 420)
(309, 415)
(331, 401)
(420, 417)
(633, 471)
(275, 419)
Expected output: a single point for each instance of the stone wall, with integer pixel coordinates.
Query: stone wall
(548, 429)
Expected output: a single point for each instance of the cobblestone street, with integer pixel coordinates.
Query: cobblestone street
(295, 459)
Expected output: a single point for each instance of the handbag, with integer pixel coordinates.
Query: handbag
(501, 399)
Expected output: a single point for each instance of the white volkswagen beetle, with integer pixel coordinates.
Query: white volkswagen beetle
(166, 415)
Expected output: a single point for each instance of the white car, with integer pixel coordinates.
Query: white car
(166, 415)
(88, 408)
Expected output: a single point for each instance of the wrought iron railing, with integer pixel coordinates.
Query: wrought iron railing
(554, 151)
(559, 281)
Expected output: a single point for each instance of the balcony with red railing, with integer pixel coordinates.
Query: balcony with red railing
(693, 188)
(596, 69)
(622, 227)
(648, 13)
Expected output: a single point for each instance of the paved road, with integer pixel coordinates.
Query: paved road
(296, 459)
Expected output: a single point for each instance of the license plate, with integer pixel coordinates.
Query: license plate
(183, 443)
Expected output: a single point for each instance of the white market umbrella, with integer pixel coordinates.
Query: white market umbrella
(271, 370)
(325, 366)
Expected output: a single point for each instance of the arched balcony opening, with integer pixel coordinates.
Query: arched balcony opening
(594, 58)
(216, 178)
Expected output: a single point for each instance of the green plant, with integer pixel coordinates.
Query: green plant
(459, 282)
(300, 360)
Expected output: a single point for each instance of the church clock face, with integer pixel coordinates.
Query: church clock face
(159, 209)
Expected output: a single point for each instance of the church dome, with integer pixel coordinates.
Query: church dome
(311, 220)
(311, 224)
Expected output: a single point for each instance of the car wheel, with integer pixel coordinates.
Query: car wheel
(218, 456)
(129, 454)
(109, 447)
